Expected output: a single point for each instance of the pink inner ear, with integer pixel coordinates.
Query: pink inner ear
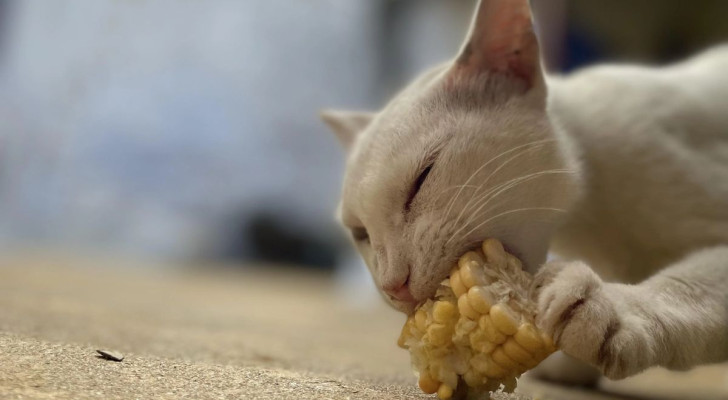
(502, 40)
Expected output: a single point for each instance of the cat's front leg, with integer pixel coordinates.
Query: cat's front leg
(599, 323)
(676, 319)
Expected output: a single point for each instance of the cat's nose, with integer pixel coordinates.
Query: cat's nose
(399, 291)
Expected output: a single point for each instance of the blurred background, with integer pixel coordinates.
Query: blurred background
(139, 137)
(183, 130)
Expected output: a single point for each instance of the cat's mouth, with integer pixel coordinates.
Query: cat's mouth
(405, 301)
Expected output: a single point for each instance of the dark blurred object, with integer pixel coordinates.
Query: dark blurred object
(648, 31)
(271, 239)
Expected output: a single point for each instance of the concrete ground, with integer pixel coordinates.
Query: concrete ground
(219, 333)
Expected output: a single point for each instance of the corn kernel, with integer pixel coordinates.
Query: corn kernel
(457, 285)
(471, 273)
(428, 384)
(421, 320)
(480, 343)
(504, 319)
(550, 346)
(517, 353)
(481, 299)
(491, 332)
(493, 370)
(501, 358)
(471, 256)
(494, 252)
(479, 362)
(443, 312)
(444, 392)
(405, 334)
(529, 338)
(438, 334)
(472, 378)
(465, 308)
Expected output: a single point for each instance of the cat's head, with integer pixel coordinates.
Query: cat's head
(464, 153)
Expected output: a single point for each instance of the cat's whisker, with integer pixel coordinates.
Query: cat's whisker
(515, 182)
(474, 219)
(523, 149)
(455, 187)
(514, 211)
(437, 198)
(454, 199)
(485, 183)
(503, 187)
(485, 195)
(476, 242)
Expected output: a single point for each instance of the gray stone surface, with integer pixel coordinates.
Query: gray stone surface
(209, 333)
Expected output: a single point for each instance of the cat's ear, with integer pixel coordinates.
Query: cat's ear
(501, 40)
(346, 124)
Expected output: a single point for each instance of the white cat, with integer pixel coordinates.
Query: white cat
(624, 169)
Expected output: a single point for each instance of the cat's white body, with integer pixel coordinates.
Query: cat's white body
(622, 171)
(653, 144)
(653, 147)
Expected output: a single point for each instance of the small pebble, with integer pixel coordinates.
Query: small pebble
(110, 355)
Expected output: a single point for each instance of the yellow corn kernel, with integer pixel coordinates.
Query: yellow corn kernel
(529, 338)
(493, 334)
(501, 358)
(469, 257)
(464, 326)
(480, 362)
(421, 320)
(444, 392)
(438, 334)
(480, 343)
(494, 252)
(428, 384)
(465, 308)
(473, 378)
(484, 365)
(471, 271)
(481, 299)
(517, 353)
(405, 334)
(457, 285)
(444, 312)
(548, 342)
(493, 370)
(504, 319)
(534, 361)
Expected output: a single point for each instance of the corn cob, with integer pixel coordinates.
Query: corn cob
(478, 333)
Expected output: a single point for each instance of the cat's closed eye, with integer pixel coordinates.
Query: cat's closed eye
(360, 234)
(417, 186)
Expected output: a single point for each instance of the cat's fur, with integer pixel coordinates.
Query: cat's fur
(622, 169)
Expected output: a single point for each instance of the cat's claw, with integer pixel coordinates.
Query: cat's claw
(592, 321)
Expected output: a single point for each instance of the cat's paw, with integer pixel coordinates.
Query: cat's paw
(592, 321)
